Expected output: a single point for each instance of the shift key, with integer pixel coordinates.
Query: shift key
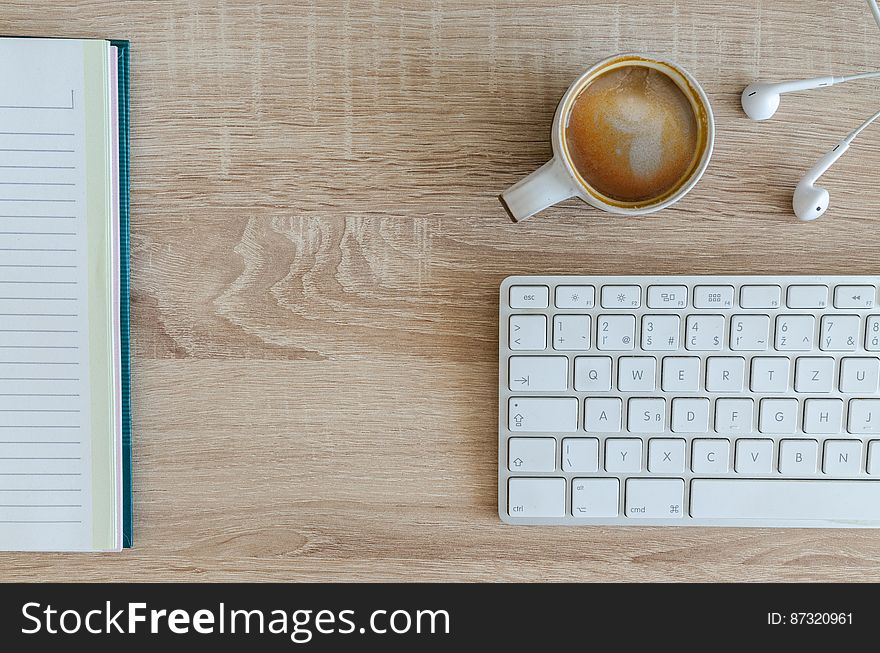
(542, 414)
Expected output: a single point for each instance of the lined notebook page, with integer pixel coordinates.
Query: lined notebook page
(52, 395)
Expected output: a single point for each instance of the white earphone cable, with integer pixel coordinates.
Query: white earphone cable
(849, 78)
(862, 127)
(875, 10)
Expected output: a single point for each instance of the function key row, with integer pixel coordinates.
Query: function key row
(722, 297)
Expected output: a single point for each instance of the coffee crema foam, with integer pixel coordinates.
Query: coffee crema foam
(632, 134)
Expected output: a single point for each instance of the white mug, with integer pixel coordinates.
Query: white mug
(558, 180)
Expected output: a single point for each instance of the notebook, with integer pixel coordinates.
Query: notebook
(65, 421)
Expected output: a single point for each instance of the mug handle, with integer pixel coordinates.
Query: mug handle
(546, 186)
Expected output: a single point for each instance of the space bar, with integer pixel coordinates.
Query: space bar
(785, 500)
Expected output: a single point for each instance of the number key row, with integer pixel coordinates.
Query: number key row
(701, 333)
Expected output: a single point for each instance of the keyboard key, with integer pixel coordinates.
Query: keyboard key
(636, 373)
(859, 375)
(531, 454)
(795, 332)
(823, 416)
(595, 497)
(769, 374)
(754, 456)
(725, 373)
(710, 456)
(571, 332)
(778, 416)
(798, 457)
(666, 455)
(814, 374)
(542, 414)
(864, 416)
(575, 296)
(713, 297)
(667, 296)
(734, 415)
(854, 297)
(528, 332)
(750, 332)
(704, 332)
(807, 296)
(616, 332)
(690, 415)
(760, 296)
(681, 374)
(842, 457)
(839, 332)
(621, 296)
(874, 458)
(872, 333)
(655, 498)
(538, 373)
(580, 455)
(785, 500)
(536, 497)
(529, 296)
(660, 332)
(646, 415)
(602, 414)
(623, 455)
(592, 373)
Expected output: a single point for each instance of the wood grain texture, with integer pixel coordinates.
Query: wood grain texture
(317, 247)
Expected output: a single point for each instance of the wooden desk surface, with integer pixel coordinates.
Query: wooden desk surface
(317, 248)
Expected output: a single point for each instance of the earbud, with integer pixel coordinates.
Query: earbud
(761, 100)
(811, 201)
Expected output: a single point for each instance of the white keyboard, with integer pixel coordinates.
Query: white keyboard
(700, 401)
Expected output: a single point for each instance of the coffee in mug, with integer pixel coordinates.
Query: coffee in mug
(631, 136)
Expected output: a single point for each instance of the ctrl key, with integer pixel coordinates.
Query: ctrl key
(536, 497)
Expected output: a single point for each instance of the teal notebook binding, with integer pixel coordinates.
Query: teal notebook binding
(122, 64)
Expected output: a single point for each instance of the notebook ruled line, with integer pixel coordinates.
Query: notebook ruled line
(28, 281)
(39, 394)
(40, 521)
(39, 410)
(39, 426)
(39, 347)
(37, 183)
(52, 442)
(41, 489)
(40, 473)
(37, 378)
(21, 167)
(42, 505)
(40, 457)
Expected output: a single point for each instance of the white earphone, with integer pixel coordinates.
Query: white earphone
(761, 100)
(810, 201)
